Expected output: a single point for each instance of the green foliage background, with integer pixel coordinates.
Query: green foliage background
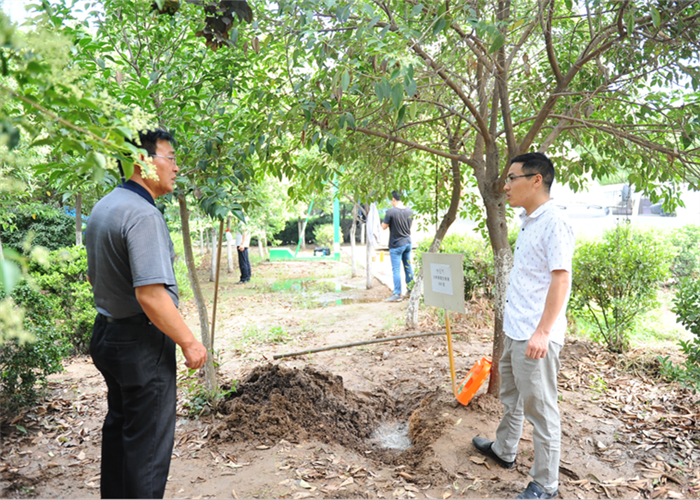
(39, 225)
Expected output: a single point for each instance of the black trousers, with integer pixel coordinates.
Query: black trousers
(138, 364)
(244, 264)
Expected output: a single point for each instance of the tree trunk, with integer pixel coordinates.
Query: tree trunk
(201, 242)
(78, 220)
(214, 247)
(353, 229)
(362, 234)
(209, 370)
(447, 220)
(301, 226)
(261, 250)
(491, 190)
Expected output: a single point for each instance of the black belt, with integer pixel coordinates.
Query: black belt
(139, 319)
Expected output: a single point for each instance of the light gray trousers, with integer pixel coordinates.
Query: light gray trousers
(529, 390)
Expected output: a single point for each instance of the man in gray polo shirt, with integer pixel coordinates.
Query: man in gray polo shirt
(534, 323)
(130, 267)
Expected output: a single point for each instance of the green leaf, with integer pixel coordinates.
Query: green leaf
(655, 16)
(97, 174)
(43, 142)
(351, 120)
(397, 95)
(630, 22)
(35, 67)
(128, 167)
(402, 115)
(411, 86)
(9, 275)
(413, 110)
(497, 43)
(345, 80)
(99, 159)
(417, 9)
(439, 26)
(379, 90)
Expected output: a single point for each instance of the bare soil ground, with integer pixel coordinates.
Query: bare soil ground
(332, 424)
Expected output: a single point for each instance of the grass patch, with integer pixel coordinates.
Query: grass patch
(254, 334)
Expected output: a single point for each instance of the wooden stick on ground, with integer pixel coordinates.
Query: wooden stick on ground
(354, 344)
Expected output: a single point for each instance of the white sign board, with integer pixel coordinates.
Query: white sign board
(441, 278)
(444, 281)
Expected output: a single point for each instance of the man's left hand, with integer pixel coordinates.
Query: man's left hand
(241, 248)
(538, 345)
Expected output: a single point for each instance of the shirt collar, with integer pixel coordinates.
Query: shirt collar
(545, 207)
(137, 188)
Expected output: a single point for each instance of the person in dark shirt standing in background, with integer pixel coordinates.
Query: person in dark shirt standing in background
(399, 219)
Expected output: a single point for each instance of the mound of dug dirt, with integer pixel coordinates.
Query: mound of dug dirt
(275, 403)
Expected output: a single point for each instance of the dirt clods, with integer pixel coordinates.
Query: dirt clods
(275, 403)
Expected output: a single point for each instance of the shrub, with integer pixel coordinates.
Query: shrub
(687, 309)
(686, 261)
(50, 228)
(25, 366)
(615, 279)
(65, 278)
(323, 235)
(477, 264)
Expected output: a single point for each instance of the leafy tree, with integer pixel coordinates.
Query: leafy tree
(478, 82)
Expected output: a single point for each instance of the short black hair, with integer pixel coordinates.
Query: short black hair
(537, 163)
(148, 139)
(396, 195)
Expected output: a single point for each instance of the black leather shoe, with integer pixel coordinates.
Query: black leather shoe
(242, 282)
(484, 447)
(534, 490)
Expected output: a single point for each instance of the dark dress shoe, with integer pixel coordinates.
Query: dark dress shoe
(484, 447)
(534, 490)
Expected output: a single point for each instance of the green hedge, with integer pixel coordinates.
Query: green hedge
(687, 309)
(48, 226)
(615, 279)
(25, 366)
(65, 277)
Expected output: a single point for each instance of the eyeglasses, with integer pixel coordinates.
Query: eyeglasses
(510, 178)
(172, 159)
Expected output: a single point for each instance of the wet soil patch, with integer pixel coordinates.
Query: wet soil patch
(274, 403)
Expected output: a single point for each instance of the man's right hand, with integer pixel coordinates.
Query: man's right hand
(195, 354)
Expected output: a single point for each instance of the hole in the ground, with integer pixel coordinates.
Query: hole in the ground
(274, 403)
(392, 436)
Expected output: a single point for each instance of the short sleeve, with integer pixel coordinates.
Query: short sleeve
(560, 246)
(387, 217)
(150, 252)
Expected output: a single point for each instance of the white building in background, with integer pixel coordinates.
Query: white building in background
(594, 210)
(602, 207)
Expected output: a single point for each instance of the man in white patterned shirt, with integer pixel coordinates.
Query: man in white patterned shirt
(534, 323)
